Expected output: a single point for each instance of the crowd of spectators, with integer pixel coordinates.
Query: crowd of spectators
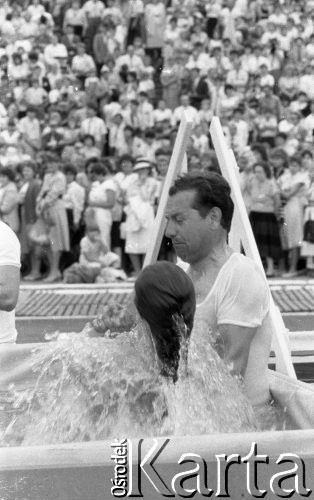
(91, 95)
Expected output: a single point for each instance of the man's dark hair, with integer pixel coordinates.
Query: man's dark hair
(211, 190)
(69, 169)
(98, 169)
(162, 152)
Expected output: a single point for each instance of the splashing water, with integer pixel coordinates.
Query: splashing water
(96, 388)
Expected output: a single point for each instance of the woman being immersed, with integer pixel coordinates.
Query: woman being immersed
(50, 206)
(153, 380)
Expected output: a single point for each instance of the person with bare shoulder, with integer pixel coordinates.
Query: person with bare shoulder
(231, 291)
(10, 263)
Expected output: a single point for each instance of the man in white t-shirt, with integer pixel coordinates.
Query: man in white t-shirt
(231, 291)
(10, 263)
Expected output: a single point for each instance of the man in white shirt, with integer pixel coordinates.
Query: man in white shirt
(231, 291)
(55, 51)
(145, 112)
(131, 60)
(185, 106)
(10, 263)
(94, 9)
(308, 125)
(95, 126)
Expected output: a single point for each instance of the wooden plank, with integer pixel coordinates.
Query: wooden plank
(177, 161)
(234, 235)
(279, 331)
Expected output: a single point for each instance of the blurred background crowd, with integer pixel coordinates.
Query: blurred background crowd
(91, 95)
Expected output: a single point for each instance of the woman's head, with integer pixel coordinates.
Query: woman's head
(28, 171)
(6, 176)
(262, 170)
(163, 293)
(295, 164)
(52, 163)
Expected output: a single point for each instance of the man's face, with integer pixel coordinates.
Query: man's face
(186, 228)
(162, 164)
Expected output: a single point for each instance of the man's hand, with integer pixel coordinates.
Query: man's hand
(236, 346)
(9, 287)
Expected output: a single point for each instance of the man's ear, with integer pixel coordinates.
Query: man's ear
(214, 217)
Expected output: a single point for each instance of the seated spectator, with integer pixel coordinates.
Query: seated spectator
(88, 149)
(96, 262)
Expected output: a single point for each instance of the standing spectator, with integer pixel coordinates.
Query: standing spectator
(100, 47)
(9, 199)
(74, 201)
(307, 249)
(145, 111)
(264, 210)
(102, 197)
(140, 198)
(29, 128)
(123, 179)
(27, 200)
(293, 184)
(169, 80)
(82, 63)
(155, 23)
(95, 126)
(75, 16)
(50, 206)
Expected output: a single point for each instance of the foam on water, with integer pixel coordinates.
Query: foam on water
(96, 388)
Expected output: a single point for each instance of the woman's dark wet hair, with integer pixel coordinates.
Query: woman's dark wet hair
(164, 293)
(211, 190)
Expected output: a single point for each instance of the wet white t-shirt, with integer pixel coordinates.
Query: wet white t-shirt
(239, 296)
(10, 255)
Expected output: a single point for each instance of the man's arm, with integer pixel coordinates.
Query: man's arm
(9, 287)
(236, 346)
